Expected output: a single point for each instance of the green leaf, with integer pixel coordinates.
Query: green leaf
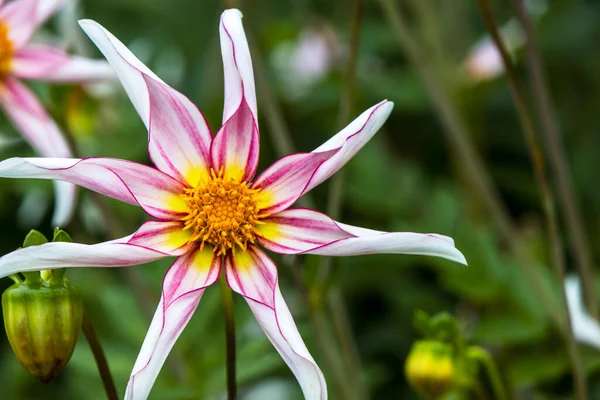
(61, 236)
(34, 238)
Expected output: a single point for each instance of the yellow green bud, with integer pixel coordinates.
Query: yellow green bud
(42, 318)
(431, 368)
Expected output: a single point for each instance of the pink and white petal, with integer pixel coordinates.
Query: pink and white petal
(157, 193)
(254, 275)
(237, 65)
(235, 147)
(116, 253)
(283, 182)
(179, 137)
(166, 236)
(23, 17)
(54, 65)
(31, 119)
(305, 231)
(41, 132)
(367, 241)
(183, 287)
(297, 230)
(350, 140)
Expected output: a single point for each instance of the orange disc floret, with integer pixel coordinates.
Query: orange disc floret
(222, 212)
(6, 49)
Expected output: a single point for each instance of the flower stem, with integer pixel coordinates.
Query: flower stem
(481, 355)
(227, 301)
(547, 200)
(99, 356)
(557, 160)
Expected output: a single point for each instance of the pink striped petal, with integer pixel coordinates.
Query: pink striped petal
(54, 65)
(283, 182)
(41, 132)
(165, 236)
(304, 231)
(298, 229)
(183, 287)
(30, 118)
(157, 193)
(179, 137)
(350, 140)
(237, 65)
(235, 147)
(116, 253)
(25, 16)
(254, 275)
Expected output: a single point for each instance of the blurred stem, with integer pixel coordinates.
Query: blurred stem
(481, 355)
(473, 168)
(227, 300)
(99, 356)
(335, 301)
(557, 157)
(537, 159)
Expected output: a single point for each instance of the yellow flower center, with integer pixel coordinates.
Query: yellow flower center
(6, 49)
(222, 212)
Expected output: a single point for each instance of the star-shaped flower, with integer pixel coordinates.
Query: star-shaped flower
(210, 210)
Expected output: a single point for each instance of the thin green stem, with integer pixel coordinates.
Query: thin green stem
(545, 194)
(227, 301)
(99, 356)
(482, 356)
(550, 131)
(473, 168)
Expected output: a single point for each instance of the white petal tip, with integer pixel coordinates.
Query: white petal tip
(232, 12)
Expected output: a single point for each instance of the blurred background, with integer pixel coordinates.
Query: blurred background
(453, 127)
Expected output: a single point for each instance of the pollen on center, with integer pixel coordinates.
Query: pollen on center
(222, 212)
(6, 48)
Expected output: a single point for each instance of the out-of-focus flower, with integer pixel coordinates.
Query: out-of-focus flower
(484, 61)
(431, 367)
(585, 328)
(20, 59)
(209, 209)
(308, 59)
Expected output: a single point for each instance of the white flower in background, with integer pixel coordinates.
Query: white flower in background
(585, 328)
(303, 62)
(484, 61)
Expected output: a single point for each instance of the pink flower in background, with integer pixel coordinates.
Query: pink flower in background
(308, 59)
(209, 209)
(20, 59)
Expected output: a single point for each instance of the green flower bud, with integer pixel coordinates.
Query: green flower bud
(431, 368)
(42, 318)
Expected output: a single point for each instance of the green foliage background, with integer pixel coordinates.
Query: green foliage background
(407, 178)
